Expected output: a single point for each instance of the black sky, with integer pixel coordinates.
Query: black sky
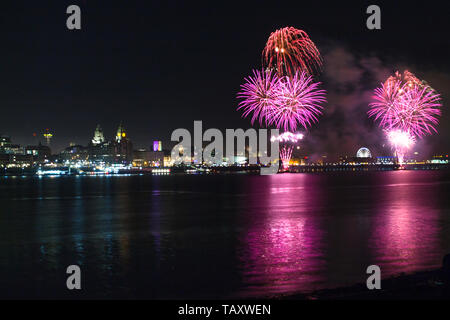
(159, 66)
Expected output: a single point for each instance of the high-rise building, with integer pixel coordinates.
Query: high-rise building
(48, 136)
(157, 145)
(121, 134)
(98, 136)
(5, 141)
(123, 146)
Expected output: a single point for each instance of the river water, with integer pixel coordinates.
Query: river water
(218, 236)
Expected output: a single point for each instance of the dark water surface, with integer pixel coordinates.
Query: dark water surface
(218, 236)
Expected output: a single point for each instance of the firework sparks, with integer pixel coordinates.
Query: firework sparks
(418, 111)
(406, 108)
(407, 78)
(401, 142)
(288, 50)
(258, 93)
(285, 156)
(287, 137)
(409, 106)
(386, 103)
(298, 102)
(284, 95)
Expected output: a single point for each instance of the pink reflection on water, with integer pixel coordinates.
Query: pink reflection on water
(406, 233)
(282, 249)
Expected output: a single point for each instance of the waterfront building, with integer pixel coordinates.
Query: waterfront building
(145, 158)
(157, 145)
(40, 152)
(102, 153)
(363, 153)
(5, 141)
(74, 153)
(123, 148)
(48, 136)
(386, 160)
(98, 136)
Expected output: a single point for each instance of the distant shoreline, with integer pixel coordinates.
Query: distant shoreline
(237, 170)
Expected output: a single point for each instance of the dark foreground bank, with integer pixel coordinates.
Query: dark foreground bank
(426, 285)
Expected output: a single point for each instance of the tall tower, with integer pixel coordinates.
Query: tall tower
(123, 145)
(99, 138)
(121, 134)
(48, 136)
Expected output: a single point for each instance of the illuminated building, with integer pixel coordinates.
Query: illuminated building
(48, 136)
(363, 153)
(121, 133)
(75, 153)
(167, 161)
(5, 141)
(386, 160)
(98, 136)
(40, 152)
(12, 149)
(16, 160)
(157, 145)
(99, 151)
(123, 148)
(146, 158)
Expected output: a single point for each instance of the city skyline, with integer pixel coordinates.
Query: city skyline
(147, 78)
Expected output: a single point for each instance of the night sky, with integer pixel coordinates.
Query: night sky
(158, 66)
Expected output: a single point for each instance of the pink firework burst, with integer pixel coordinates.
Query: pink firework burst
(258, 94)
(288, 50)
(386, 103)
(406, 106)
(418, 111)
(298, 102)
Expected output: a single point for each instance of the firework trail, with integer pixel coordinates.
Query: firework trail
(286, 155)
(298, 102)
(288, 50)
(258, 93)
(288, 139)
